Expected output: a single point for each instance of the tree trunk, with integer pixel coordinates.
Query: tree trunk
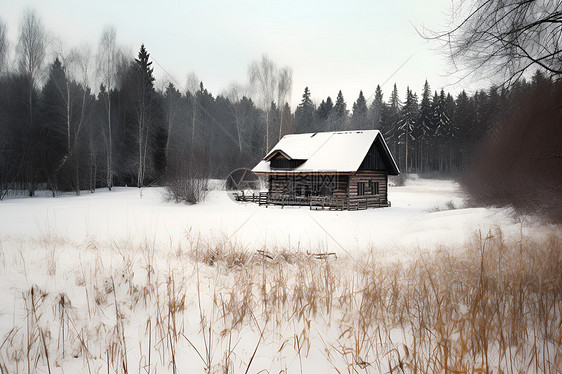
(193, 132)
(110, 145)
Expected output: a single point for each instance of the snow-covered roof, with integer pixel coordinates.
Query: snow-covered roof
(326, 152)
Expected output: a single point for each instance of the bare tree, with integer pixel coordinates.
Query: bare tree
(234, 94)
(284, 88)
(192, 87)
(263, 81)
(76, 63)
(3, 47)
(31, 46)
(107, 61)
(506, 36)
(31, 51)
(81, 71)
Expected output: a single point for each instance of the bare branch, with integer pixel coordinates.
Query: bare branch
(506, 38)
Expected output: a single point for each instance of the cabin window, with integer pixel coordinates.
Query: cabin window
(360, 188)
(374, 187)
(367, 188)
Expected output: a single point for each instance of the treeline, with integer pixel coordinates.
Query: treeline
(58, 132)
(431, 132)
(64, 137)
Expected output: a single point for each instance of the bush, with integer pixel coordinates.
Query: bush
(520, 164)
(398, 180)
(189, 189)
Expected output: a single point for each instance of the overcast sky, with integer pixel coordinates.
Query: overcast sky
(330, 45)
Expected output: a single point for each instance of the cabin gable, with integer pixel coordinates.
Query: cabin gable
(378, 158)
(280, 161)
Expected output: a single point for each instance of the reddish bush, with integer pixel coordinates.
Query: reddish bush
(520, 163)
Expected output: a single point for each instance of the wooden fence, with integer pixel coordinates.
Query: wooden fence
(316, 202)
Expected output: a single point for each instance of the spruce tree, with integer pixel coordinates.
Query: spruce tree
(325, 109)
(441, 123)
(406, 125)
(463, 117)
(376, 108)
(324, 114)
(144, 107)
(340, 112)
(52, 121)
(359, 120)
(392, 116)
(304, 114)
(423, 129)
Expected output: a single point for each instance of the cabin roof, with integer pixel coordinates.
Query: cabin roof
(327, 152)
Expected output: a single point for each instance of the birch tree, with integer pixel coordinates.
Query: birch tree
(144, 105)
(234, 94)
(264, 82)
(31, 51)
(77, 67)
(284, 88)
(107, 60)
(3, 48)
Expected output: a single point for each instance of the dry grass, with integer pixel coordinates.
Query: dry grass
(493, 306)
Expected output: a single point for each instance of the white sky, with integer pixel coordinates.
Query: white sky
(330, 45)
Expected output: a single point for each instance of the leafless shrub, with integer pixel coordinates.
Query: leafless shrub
(521, 164)
(398, 180)
(190, 190)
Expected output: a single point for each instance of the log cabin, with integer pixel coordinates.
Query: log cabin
(342, 170)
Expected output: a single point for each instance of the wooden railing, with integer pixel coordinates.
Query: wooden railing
(316, 202)
(319, 202)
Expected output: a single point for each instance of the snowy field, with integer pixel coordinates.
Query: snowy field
(425, 214)
(124, 281)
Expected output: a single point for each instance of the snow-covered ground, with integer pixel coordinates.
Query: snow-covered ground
(424, 213)
(116, 279)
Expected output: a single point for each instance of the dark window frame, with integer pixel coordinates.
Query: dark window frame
(374, 188)
(360, 188)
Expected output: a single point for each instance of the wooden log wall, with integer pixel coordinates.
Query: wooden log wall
(367, 176)
(340, 188)
(344, 192)
(279, 184)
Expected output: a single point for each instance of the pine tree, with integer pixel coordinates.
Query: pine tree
(304, 114)
(325, 109)
(324, 114)
(406, 125)
(441, 124)
(359, 118)
(392, 116)
(53, 124)
(340, 112)
(453, 129)
(376, 108)
(463, 118)
(423, 129)
(144, 105)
